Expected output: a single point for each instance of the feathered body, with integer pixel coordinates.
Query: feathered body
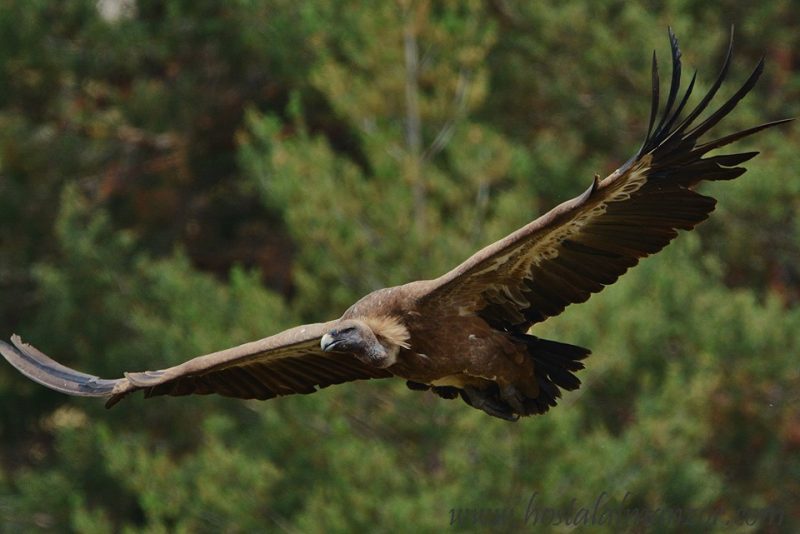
(466, 333)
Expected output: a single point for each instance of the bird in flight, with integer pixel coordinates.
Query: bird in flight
(466, 333)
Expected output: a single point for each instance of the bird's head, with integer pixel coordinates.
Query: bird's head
(357, 338)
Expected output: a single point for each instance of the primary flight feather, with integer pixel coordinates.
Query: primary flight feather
(466, 333)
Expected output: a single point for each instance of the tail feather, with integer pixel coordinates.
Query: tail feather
(554, 365)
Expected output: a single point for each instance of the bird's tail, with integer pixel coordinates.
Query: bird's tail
(555, 364)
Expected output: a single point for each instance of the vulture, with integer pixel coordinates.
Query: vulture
(466, 333)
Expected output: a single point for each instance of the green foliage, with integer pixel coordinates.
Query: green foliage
(148, 162)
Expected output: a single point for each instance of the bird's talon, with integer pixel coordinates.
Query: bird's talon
(514, 398)
(490, 404)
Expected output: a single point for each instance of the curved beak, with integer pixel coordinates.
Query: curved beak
(327, 342)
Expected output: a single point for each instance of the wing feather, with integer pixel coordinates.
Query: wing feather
(287, 363)
(584, 244)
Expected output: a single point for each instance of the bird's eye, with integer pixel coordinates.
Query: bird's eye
(347, 330)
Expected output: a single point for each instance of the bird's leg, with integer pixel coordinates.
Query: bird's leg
(490, 404)
(446, 392)
(417, 386)
(514, 397)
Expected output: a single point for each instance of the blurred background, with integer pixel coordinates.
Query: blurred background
(179, 177)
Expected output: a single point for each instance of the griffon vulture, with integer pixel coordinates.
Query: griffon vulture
(466, 332)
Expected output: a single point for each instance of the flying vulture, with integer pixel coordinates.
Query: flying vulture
(466, 333)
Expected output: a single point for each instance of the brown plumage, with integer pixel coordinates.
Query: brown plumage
(465, 333)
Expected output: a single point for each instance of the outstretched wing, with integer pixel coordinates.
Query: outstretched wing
(584, 244)
(283, 364)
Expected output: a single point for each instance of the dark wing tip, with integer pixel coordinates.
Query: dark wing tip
(675, 138)
(42, 369)
(667, 116)
(654, 101)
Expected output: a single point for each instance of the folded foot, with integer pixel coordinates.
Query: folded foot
(514, 398)
(489, 403)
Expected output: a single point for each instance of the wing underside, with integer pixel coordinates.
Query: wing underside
(585, 244)
(288, 363)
